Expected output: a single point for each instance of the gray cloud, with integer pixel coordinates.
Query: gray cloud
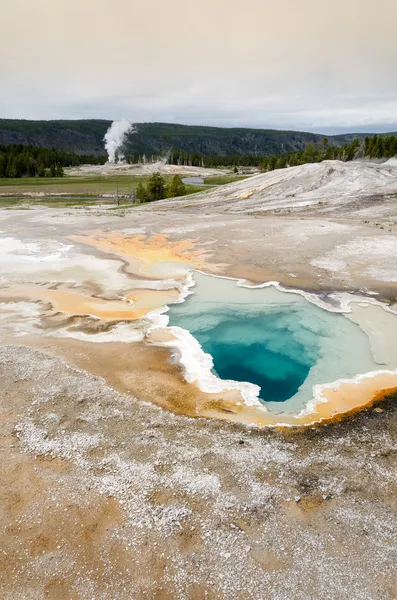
(300, 65)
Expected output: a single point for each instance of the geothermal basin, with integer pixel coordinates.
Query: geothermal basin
(262, 354)
(105, 476)
(280, 349)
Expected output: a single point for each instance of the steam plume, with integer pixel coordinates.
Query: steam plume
(114, 138)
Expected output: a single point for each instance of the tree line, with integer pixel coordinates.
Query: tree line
(179, 157)
(17, 160)
(371, 147)
(375, 146)
(156, 188)
(378, 146)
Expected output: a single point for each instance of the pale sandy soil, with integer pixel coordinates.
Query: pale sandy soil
(143, 169)
(107, 496)
(331, 188)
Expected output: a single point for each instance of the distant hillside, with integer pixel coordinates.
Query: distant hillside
(86, 137)
(80, 137)
(159, 138)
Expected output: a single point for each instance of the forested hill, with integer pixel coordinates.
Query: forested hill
(86, 137)
(79, 137)
(158, 138)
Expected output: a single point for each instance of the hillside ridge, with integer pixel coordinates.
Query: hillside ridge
(85, 136)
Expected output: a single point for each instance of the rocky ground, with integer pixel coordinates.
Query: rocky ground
(107, 496)
(358, 189)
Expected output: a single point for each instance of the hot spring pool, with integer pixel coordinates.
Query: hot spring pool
(276, 340)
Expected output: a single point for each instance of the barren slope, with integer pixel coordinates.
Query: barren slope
(334, 188)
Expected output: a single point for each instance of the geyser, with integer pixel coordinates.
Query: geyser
(114, 139)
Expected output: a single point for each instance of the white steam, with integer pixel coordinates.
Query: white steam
(114, 138)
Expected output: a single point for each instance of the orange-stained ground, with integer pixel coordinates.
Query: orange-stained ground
(146, 372)
(70, 302)
(152, 380)
(142, 253)
(339, 400)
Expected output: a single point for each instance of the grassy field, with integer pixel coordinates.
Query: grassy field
(89, 187)
(74, 191)
(73, 185)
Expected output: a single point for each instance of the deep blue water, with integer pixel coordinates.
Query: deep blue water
(263, 348)
(278, 368)
(278, 341)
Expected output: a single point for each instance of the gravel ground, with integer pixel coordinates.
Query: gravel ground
(105, 497)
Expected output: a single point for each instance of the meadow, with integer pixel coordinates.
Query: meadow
(75, 191)
(77, 185)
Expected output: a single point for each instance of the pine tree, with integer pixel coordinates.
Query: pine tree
(271, 165)
(32, 167)
(176, 188)
(380, 153)
(373, 147)
(393, 146)
(367, 145)
(156, 187)
(3, 165)
(141, 192)
(281, 162)
(311, 154)
(13, 167)
(325, 146)
(59, 170)
(263, 165)
(331, 153)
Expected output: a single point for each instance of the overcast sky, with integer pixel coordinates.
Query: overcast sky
(302, 64)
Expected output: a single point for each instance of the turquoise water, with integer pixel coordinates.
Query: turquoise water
(262, 349)
(276, 340)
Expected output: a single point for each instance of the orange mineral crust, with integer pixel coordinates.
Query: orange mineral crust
(336, 403)
(156, 257)
(136, 304)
